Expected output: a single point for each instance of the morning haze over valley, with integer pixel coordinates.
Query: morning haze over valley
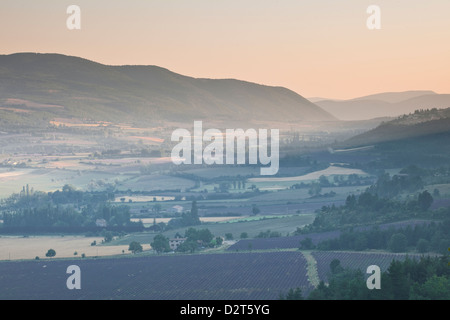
(188, 166)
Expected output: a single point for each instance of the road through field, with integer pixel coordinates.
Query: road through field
(312, 273)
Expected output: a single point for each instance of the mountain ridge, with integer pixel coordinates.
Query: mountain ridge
(90, 89)
(391, 104)
(395, 97)
(418, 124)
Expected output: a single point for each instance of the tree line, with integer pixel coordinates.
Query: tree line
(67, 210)
(194, 239)
(427, 278)
(424, 279)
(369, 208)
(427, 237)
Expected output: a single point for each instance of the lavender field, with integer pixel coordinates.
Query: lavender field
(238, 276)
(281, 242)
(293, 242)
(356, 260)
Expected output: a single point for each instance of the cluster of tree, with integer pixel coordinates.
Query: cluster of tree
(66, 210)
(315, 192)
(160, 243)
(107, 235)
(424, 279)
(187, 219)
(229, 236)
(338, 181)
(409, 180)
(198, 238)
(66, 217)
(135, 247)
(427, 237)
(20, 122)
(244, 235)
(225, 186)
(67, 195)
(50, 253)
(194, 240)
(292, 294)
(370, 208)
(268, 234)
(440, 175)
(225, 182)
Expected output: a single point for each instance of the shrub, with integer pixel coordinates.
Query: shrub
(135, 247)
(423, 245)
(50, 253)
(397, 243)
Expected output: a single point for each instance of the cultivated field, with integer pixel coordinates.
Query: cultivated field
(357, 260)
(18, 248)
(149, 221)
(48, 180)
(281, 242)
(155, 182)
(233, 276)
(330, 171)
(293, 242)
(284, 225)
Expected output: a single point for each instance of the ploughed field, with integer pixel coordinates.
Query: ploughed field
(240, 276)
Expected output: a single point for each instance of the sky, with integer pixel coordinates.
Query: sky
(318, 48)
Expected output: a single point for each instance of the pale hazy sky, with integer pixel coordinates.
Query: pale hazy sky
(314, 47)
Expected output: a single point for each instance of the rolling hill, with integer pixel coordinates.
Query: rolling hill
(389, 104)
(420, 138)
(395, 97)
(65, 86)
(418, 124)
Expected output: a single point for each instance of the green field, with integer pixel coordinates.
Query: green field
(253, 226)
(12, 181)
(155, 182)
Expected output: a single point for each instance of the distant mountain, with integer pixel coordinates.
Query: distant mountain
(391, 97)
(66, 86)
(390, 104)
(316, 99)
(395, 97)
